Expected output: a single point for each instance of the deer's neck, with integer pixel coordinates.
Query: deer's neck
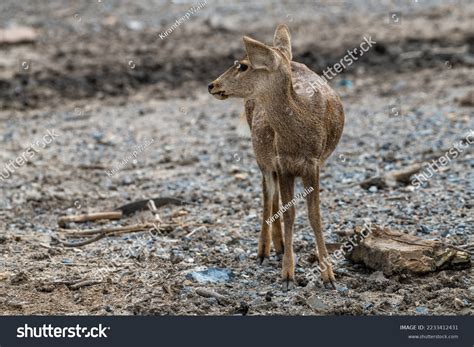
(282, 107)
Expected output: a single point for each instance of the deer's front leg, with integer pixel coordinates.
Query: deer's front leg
(264, 242)
(277, 235)
(287, 186)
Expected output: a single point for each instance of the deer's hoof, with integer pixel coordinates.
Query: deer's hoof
(263, 261)
(330, 285)
(287, 285)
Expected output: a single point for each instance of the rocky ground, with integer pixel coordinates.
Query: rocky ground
(99, 75)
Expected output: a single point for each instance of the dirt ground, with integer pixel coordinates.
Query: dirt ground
(100, 76)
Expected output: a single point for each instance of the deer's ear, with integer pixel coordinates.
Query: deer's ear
(282, 40)
(260, 55)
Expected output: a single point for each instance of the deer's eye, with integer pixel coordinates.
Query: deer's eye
(242, 67)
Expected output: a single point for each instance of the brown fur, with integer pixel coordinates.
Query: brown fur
(293, 133)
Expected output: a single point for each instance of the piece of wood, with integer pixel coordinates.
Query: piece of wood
(395, 252)
(221, 299)
(152, 207)
(143, 204)
(403, 175)
(18, 35)
(121, 229)
(88, 217)
(392, 178)
(101, 233)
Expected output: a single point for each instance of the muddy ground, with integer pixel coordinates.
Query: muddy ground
(100, 76)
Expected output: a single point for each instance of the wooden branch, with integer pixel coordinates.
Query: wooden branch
(390, 179)
(221, 299)
(81, 218)
(125, 229)
(143, 204)
(152, 207)
(80, 243)
(101, 233)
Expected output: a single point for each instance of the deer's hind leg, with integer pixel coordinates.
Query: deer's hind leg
(265, 239)
(311, 183)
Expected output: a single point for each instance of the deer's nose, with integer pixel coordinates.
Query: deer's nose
(210, 87)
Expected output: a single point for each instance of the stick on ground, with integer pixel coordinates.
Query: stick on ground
(81, 218)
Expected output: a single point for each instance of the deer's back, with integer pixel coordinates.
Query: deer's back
(326, 103)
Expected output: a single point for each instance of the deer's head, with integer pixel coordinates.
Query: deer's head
(262, 68)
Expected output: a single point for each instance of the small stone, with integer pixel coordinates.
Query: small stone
(33, 195)
(176, 257)
(18, 278)
(223, 249)
(421, 310)
(424, 229)
(343, 290)
(368, 305)
(373, 189)
(211, 275)
(126, 180)
(212, 301)
(458, 303)
(317, 304)
(208, 219)
(379, 278)
(268, 296)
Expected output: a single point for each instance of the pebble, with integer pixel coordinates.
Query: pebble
(368, 305)
(458, 303)
(316, 303)
(378, 277)
(212, 301)
(421, 310)
(424, 229)
(268, 296)
(211, 275)
(223, 249)
(208, 219)
(373, 189)
(343, 290)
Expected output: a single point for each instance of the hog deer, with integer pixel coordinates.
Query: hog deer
(293, 132)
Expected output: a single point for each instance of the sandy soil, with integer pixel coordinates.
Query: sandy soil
(102, 78)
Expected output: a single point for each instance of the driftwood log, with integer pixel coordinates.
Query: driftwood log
(392, 178)
(394, 252)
